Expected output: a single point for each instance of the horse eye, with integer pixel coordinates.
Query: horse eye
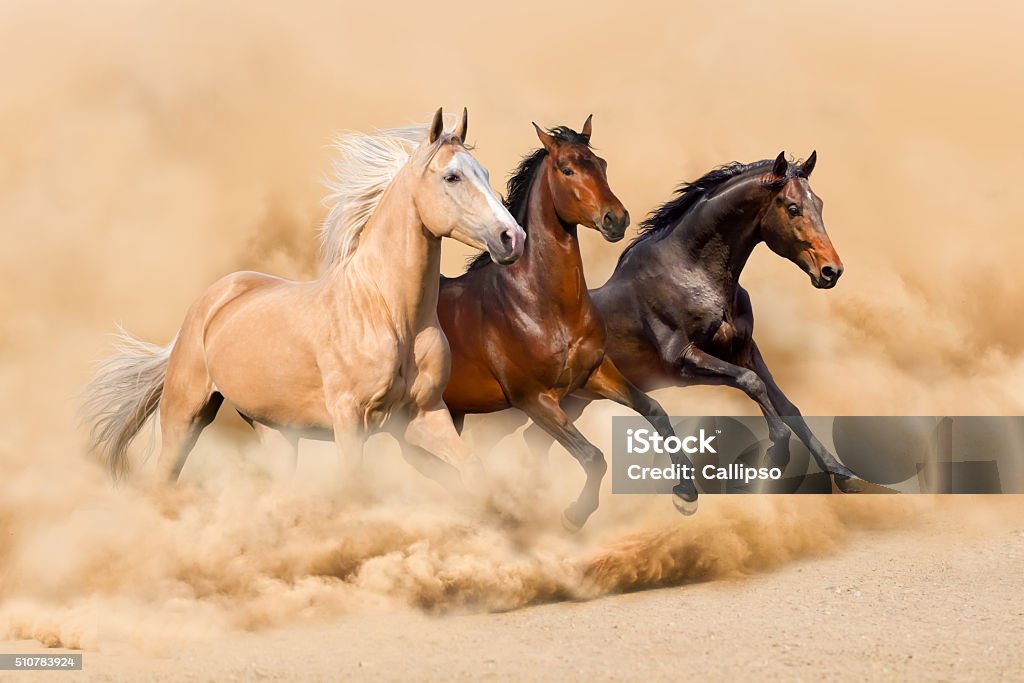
(793, 209)
(452, 178)
(567, 171)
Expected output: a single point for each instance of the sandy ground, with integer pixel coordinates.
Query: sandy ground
(940, 600)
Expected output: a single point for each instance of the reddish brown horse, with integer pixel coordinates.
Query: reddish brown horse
(527, 335)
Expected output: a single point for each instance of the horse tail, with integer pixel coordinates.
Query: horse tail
(122, 396)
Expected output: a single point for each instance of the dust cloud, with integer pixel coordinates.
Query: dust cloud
(148, 148)
(86, 565)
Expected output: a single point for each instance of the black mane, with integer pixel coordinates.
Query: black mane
(521, 179)
(668, 215)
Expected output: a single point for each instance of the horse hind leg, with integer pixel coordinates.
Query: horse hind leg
(180, 428)
(188, 406)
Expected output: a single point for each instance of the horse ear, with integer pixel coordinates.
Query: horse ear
(808, 166)
(548, 141)
(436, 126)
(460, 130)
(587, 128)
(779, 169)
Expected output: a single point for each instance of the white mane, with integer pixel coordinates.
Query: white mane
(363, 168)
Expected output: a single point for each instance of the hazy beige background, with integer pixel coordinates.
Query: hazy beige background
(148, 148)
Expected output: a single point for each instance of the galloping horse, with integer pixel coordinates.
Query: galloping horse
(528, 335)
(341, 355)
(675, 312)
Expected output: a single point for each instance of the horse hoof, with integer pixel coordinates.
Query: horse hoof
(683, 506)
(569, 525)
(684, 497)
(849, 484)
(855, 484)
(777, 459)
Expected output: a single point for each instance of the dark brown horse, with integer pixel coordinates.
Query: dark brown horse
(675, 312)
(528, 335)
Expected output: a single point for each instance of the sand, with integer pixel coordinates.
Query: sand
(942, 599)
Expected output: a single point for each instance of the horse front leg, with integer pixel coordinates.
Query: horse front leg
(349, 439)
(703, 368)
(778, 432)
(844, 477)
(432, 467)
(539, 441)
(432, 430)
(282, 445)
(696, 366)
(607, 382)
(487, 433)
(545, 411)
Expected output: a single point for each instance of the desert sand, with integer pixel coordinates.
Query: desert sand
(940, 598)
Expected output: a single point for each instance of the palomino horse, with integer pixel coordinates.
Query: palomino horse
(675, 311)
(341, 355)
(528, 335)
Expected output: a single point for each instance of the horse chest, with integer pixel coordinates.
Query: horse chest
(570, 358)
(380, 385)
(378, 374)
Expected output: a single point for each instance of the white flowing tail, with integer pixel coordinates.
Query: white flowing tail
(122, 396)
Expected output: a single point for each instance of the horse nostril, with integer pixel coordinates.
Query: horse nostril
(625, 219)
(830, 273)
(608, 220)
(507, 237)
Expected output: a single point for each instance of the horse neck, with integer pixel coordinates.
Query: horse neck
(719, 235)
(551, 261)
(396, 258)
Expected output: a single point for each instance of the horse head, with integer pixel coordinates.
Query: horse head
(454, 197)
(792, 226)
(578, 181)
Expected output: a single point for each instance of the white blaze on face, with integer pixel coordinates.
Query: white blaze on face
(472, 172)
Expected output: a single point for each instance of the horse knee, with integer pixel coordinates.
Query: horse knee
(752, 385)
(594, 462)
(662, 423)
(778, 433)
(748, 381)
(650, 408)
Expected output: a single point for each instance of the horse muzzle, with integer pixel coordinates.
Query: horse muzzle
(827, 275)
(509, 246)
(613, 224)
